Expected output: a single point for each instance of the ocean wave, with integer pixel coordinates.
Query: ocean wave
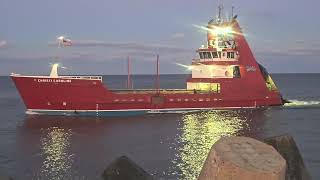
(28, 112)
(299, 103)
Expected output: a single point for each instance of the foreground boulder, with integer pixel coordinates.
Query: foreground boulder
(124, 169)
(242, 158)
(287, 147)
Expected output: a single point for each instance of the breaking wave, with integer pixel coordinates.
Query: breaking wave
(28, 112)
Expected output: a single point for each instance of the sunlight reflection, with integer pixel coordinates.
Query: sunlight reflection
(57, 158)
(199, 132)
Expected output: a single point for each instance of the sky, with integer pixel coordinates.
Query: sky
(283, 34)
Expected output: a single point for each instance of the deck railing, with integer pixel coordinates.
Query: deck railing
(83, 77)
(162, 91)
(213, 60)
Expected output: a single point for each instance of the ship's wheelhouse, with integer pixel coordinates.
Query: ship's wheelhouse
(218, 59)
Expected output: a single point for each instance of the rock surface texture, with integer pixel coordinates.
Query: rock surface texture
(242, 158)
(287, 147)
(124, 169)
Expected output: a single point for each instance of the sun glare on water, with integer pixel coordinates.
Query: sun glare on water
(198, 133)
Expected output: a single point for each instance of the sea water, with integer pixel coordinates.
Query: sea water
(168, 146)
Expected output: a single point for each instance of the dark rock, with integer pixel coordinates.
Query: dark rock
(125, 169)
(287, 147)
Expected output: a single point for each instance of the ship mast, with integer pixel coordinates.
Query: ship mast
(158, 76)
(232, 11)
(129, 82)
(220, 12)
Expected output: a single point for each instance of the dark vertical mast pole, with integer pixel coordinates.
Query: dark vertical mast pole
(158, 78)
(220, 8)
(232, 12)
(219, 12)
(129, 73)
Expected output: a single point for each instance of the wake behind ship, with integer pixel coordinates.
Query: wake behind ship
(224, 76)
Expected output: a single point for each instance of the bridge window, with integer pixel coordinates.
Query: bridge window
(201, 55)
(230, 55)
(214, 55)
(219, 54)
(221, 45)
(207, 55)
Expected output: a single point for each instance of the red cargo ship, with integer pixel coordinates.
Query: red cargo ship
(225, 76)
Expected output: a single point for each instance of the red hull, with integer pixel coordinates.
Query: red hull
(88, 94)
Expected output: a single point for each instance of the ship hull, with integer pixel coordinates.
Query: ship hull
(100, 113)
(125, 112)
(83, 97)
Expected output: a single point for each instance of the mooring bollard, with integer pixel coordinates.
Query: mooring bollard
(124, 169)
(242, 158)
(287, 147)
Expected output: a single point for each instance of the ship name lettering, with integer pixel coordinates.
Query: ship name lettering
(251, 69)
(54, 80)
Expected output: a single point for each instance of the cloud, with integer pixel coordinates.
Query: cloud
(3, 43)
(295, 48)
(178, 36)
(305, 51)
(129, 47)
(102, 51)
